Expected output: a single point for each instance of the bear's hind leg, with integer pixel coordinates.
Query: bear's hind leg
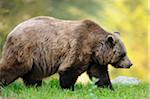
(9, 73)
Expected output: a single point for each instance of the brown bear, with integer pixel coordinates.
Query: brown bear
(42, 46)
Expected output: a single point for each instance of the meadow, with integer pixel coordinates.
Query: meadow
(51, 90)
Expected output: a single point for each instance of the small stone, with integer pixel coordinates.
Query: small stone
(126, 80)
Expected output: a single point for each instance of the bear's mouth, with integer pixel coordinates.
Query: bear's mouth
(119, 66)
(116, 65)
(123, 67)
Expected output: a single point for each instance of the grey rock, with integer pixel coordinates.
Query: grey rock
(126, 80)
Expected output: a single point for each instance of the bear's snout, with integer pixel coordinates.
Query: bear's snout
(123, 63)
(129, 65)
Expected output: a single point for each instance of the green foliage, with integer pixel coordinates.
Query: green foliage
(129, 17)
(51, 89)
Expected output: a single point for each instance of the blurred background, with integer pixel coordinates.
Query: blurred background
(129, 17)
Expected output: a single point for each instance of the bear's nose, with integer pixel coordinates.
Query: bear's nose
(130, 65)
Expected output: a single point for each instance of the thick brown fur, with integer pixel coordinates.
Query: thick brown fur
(42, 46)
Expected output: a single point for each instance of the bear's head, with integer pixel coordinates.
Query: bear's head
(111, 50)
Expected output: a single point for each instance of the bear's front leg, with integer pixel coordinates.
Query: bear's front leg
(67, 79)
(30, 82)
(69, 76)
(100, 72)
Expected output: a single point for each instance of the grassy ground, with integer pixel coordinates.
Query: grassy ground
(52, 90)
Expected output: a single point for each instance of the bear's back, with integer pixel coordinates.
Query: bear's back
(44, 26)
(44, 42)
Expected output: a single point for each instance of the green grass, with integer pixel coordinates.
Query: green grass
(52, 90)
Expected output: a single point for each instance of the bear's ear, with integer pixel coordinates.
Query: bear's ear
(110, 40)
(117, 33)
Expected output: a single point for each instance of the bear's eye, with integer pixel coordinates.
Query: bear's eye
(123, 55)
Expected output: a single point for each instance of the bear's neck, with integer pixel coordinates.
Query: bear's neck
(97, 36)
